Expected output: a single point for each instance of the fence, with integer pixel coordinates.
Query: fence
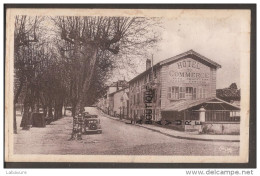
(214, 115)
(191, 115)
(222, 116)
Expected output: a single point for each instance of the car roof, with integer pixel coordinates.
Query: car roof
(92, 118)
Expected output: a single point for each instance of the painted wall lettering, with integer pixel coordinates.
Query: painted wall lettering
(189, 71)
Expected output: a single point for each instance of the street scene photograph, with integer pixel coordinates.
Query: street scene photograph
(131, 83)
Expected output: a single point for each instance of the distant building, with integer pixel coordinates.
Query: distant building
(120, 103)
(106, 103)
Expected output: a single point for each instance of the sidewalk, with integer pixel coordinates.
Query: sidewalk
(182, 135)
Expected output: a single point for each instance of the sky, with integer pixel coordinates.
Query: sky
(221, 37)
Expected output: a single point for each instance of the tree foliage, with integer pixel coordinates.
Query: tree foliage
(87, 39)
(69, 63)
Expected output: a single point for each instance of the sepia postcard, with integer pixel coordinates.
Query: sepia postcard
(127, 85)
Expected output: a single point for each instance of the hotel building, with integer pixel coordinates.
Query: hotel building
(183, 88)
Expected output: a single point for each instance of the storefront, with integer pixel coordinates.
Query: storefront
(212, 115)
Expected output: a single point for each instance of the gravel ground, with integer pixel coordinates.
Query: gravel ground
(117, 138)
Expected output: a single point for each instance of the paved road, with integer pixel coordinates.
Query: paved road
(117, 138)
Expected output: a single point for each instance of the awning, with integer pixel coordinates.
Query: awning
(208, 104)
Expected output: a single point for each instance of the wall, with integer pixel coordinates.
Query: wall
(213, 82)
(117, 101)
(138, 88)
(188, 72)
(221, 128)
(111, 90)
(110, 99)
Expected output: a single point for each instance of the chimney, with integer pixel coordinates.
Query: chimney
(148, 63)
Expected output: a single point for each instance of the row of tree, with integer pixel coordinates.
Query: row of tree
(66, 61)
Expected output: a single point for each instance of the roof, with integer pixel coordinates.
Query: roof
(184, 104)
(123, 89)
(119, 83)
(196, 104)
(145, 72)
(191, 53)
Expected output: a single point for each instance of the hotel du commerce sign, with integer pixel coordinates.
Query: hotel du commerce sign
(189, 71)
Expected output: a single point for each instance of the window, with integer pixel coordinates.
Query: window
(194, 95)
(182, 92)
(189, 91)
(173, 92)
(201, 93)
(169, 94)
(204, 93)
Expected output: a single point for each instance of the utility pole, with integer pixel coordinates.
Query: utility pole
(152, 68)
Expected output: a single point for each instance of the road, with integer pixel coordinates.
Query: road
(117, 138)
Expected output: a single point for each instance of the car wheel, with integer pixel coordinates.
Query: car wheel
(93, 126)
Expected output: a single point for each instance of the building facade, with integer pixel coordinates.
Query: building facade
(106, 103)
(120, 103)
(176, 89)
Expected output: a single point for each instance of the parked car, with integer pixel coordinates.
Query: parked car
(91, 124)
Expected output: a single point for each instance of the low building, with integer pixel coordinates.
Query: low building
(106, 103)
(180, 89)
(120, 103)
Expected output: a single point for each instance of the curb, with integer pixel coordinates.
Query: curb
(174, 136)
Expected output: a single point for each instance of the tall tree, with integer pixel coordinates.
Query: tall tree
(25, 35)
(87, 36)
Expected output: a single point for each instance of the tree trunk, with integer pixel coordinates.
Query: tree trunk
(49, 107)
(55, 110)
(14, 120)
(26, 118)
(58, 108)
(26, 121)
(43, 102)
(44, 110)
(37, 106)
(64, 111)
(15, 102)
(88, 70)
(73, 109)
(50, 114)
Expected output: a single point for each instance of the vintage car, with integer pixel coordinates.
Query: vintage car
(91, 123)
